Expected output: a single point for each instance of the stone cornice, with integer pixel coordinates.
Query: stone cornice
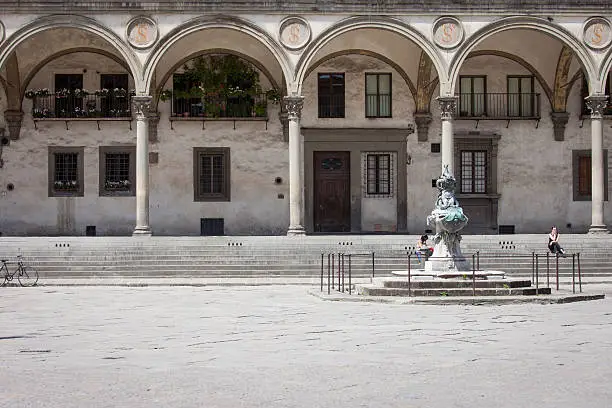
(308, 6)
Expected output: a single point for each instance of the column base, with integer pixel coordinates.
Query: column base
(598, 229)
(142, 232)
(296, 230)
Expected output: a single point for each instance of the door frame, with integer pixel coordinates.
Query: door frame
(347, 172)
(356, 141)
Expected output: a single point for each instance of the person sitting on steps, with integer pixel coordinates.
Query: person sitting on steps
(553, 242)
(423, 249)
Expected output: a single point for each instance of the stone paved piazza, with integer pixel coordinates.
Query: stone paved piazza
(280, 347)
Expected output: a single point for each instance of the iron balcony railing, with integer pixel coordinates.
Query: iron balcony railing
(498, 106)
(81, 106)
(213, 106)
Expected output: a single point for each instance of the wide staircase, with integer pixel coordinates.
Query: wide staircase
(281, 259)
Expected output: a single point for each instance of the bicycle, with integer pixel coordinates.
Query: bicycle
(26, 275)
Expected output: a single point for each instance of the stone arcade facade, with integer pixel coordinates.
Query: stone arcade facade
(375, 99)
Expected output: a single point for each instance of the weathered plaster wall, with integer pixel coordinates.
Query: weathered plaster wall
(258, 156)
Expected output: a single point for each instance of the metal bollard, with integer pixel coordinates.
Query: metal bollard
(579, 273)
(548, 270)
(537, 267)
(349, 274)
(322, 256)
(473, 276)
(573, 273)
(328, 272)
(409, 278)
(557, 268)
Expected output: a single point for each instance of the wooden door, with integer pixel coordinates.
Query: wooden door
(332, 191)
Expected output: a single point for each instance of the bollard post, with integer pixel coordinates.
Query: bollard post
(343, 266)
(372, 267)
(579, 273)
(338, 271)
(473, 276)
(532, 266)
(547, 269)
(322, 255)
(409, 288)
(573, 273)
(477, 260)
(350, 265)
(557, 270)
(333, 270)
(328, 272)
(537, 266)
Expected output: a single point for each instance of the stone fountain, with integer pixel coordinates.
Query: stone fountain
(448, 219)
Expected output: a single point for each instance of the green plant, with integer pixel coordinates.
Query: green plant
(273, 95)
(444, 293)
(165, 95)
(260, 109)
(506, 286)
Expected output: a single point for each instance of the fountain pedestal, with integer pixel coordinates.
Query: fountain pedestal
(448, 219)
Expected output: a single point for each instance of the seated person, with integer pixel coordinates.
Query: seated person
(423, 248)
(553, 242)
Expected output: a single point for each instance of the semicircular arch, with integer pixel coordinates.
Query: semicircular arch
(41, 64)
(74, 22)
(367, 53)
(203, 23)
(502, 54)
(362, 22)
(513, 23)
(248, 58)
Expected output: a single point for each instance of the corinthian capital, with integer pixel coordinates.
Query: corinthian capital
(293, 106)
(596, 104)
(141, 106)
(448, 106)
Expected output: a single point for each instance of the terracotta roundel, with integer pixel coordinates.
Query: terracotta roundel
(141, 32)
(294, 33)
(447, 32)
(597, 33)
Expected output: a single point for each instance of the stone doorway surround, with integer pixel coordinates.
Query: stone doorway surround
(355, 141)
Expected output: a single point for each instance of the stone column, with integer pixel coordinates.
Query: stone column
(141, 106)
(293, 105)
(596, 104)
(448, 106)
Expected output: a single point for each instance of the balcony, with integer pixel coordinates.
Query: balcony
(220, 108)
(81, 106)
(498, 106)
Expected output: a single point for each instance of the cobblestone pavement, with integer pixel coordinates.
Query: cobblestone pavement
(275, 346)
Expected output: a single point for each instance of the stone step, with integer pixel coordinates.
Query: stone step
(454, 283)
(370, 290)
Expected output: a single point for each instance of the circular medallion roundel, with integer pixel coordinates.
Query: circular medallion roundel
(141, 32)
(447, 32)
(294, 33)
(597, 33)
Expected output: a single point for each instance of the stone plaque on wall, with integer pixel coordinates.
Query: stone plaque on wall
(142, 32)
(447, 32)
(597, 33)
(294, 33)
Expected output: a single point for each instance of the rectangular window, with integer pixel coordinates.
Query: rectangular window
(472, 96)
(473, 172)
(114, 105)
(521, 96)
(331, 95)
(65, 171)
(378, 95)
(581, 169)
(378, 174)
(66, 104)
(211, 174)
(117, 171)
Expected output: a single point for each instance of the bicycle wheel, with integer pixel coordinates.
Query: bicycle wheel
(28, 276)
